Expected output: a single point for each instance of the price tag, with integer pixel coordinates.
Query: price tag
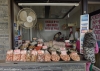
(62, 49)
(23, 52)
(63, 52)
(40, 52)
(66, 40)
(39, 45)
(74, 53)
(34, 52)
(10, 52)
(53, 52)
(44, 47)
(27, 41)
(17, 51)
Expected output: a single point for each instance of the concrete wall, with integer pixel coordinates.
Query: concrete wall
(5, 28)
(16, 10)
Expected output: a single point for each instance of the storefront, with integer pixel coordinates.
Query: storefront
(35, 48)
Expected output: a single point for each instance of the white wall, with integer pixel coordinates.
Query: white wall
(48, 35)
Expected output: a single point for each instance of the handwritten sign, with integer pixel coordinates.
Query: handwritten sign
(51, 25)
(23, 51)
(39, 45)
(10, 52)
(44, 47)
(95, 23)
(40, 52)
(17, 51)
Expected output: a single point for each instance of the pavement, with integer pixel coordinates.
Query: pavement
(96, 68)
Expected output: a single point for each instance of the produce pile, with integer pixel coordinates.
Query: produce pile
(42, 52)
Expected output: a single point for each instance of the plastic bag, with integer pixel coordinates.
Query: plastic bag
(96, 48)
(40, 55)
(9, 56)
(28, 57)
(23, 55)
(34, 55)
(16, 55)
(47, 56)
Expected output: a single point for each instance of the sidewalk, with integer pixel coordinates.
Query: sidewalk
(95, 68)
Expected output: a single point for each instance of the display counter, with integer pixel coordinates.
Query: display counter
(44, 66)
(50, 56)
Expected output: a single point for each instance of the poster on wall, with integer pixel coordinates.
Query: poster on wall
(51, 25)
(84, 26)
(95, 24)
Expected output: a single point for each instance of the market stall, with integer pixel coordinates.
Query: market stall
(38, 54)
(44, 56)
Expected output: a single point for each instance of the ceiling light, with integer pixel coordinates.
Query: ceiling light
(48, 4)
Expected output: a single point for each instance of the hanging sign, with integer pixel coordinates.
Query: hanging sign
(84, 26)
(51, 25)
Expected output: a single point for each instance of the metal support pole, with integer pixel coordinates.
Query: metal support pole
(84, 6)
(30, 34)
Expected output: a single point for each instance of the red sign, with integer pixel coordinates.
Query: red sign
(95, 23)
(51, 25)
